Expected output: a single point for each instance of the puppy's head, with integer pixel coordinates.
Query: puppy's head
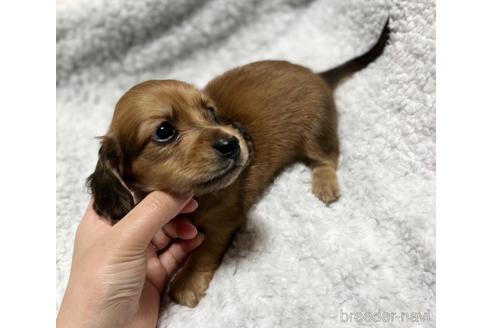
(165, 135)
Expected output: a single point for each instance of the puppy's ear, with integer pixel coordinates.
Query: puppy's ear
(112, 198)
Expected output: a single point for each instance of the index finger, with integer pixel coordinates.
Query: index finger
(144, 220)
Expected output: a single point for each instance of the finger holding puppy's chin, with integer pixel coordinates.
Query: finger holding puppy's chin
(178, 228)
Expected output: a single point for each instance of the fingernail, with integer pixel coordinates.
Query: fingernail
(201, 236)
(195, 229)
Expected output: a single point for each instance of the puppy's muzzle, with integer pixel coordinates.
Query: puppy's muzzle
(228, 147)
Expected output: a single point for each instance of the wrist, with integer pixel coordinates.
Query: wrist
(78, 308)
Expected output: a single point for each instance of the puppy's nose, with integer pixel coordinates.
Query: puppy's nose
(227, 147)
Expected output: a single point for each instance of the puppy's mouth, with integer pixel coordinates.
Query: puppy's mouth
(220, 176)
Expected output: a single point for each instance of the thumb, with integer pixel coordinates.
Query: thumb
(140, 225)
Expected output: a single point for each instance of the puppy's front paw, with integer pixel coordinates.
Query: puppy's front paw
(326, 188)
(189, 288)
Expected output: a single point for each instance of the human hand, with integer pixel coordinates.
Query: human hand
(117, 273)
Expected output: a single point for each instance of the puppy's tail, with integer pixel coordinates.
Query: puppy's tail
(337, 74)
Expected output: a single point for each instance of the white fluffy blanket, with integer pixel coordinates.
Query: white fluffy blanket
(297, 263)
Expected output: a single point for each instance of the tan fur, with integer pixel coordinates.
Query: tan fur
(286, 109)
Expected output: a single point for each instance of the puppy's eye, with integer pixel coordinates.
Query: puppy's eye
(164, 132)
(211, 112)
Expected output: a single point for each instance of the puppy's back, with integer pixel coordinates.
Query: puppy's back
(280, 104)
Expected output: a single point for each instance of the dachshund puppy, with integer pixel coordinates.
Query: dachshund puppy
(224, 144)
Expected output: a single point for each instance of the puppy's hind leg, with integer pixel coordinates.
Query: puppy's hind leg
(322, 156)
(325, 182)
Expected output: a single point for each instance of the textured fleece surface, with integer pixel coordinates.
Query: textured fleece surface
(297, 263)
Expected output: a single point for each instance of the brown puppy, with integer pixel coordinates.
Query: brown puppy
(224, 144)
